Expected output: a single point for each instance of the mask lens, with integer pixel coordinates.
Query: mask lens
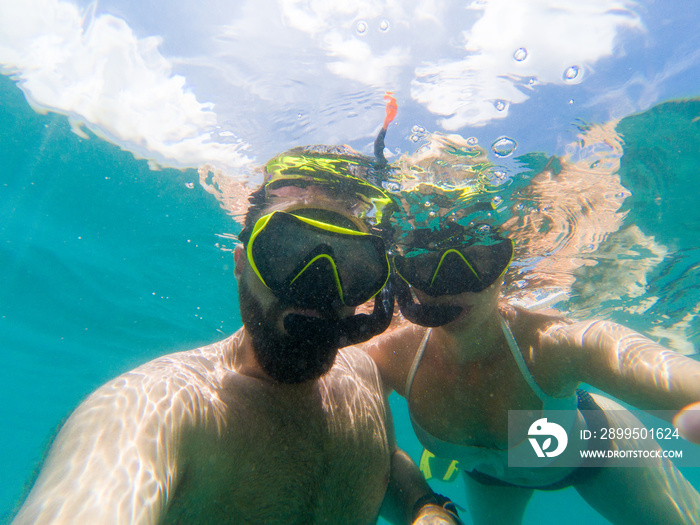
(457, 270)
(309, 262)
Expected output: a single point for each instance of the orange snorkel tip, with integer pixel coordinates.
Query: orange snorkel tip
(391, 109)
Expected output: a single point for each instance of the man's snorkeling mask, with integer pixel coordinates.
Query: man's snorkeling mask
(449, 261)
(313, 258)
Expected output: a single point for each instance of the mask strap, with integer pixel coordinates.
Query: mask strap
(422, 314)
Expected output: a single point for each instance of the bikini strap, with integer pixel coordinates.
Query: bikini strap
(416, 362)
(520, 361)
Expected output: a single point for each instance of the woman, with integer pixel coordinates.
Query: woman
(483, 357)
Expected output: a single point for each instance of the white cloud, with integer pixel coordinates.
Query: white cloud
(316, 17)
(95, 70)
(515, 45)
(354, 60)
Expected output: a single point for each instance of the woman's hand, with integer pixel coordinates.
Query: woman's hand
(688, 422)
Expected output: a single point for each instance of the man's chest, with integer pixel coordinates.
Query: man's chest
(280, 461)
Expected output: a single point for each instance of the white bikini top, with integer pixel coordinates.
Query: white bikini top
(491, 461)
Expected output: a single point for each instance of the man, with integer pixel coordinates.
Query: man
(274, 424)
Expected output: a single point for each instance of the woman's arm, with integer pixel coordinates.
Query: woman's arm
(393, 353)
(626, 364)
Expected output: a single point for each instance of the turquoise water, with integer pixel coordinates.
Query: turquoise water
(107, 264)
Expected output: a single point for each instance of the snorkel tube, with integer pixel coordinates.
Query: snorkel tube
(356, 328)
(391, 109)
(348, 331)
(359, 327)
(420, 314)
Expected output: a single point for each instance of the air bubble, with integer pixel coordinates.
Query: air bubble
(571, 72)
(393, 187)
(500, 105)
(189, 185)
(496, 201)
(384, 25)
(472, 141)
(484, 229)
(520, 54)
(361, 27)
(427, 204)
(503, 147)
(417, 133)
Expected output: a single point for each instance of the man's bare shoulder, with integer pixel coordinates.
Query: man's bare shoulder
(209, 358)
(353, 359)
(355, 364)
(134, 420)
(200, 366)
(180, 384)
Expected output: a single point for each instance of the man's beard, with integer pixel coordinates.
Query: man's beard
(284, 358)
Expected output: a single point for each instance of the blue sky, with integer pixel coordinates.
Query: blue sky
(231, 83)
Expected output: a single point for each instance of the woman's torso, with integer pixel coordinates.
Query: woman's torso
(459, 408)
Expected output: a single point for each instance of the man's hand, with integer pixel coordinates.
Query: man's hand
(436, 515)
(437, 510)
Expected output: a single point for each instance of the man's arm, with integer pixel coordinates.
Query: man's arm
(116, 458)
(408, 497)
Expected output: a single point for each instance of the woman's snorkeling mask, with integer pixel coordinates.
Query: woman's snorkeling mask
(448, 262)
